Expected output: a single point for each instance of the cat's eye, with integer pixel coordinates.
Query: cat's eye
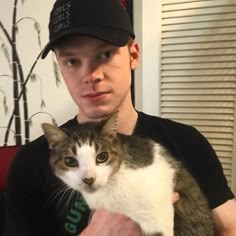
(102, 157)
(71, 161)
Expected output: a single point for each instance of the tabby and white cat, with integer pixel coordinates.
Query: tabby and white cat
(129, 175)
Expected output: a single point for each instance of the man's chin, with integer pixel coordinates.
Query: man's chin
(95, 115)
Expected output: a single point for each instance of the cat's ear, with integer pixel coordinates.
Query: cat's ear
(110, 126)
(53, 134)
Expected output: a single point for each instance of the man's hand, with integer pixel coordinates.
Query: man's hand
(224, 217)
(106, 223)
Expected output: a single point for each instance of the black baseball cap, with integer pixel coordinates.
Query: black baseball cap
(103, 19)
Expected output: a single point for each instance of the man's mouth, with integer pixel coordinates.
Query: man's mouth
(93, 97)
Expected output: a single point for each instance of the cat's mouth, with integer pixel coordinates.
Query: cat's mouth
(89, 189)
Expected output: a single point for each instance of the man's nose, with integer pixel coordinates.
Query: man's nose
(94, 75)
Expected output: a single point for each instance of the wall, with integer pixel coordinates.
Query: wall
(147, 17)
(147, 24)
(45, 99)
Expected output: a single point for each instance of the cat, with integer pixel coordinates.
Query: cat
(129, 175)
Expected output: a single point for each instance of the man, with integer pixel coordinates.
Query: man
(94, 44)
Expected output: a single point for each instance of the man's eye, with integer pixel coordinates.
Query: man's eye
(106, 55)
(72, 62)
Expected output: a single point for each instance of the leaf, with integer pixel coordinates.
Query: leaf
(43, 104)
(38, 29)
(33, 77)
(5, 104)
(54, 121)
(6, 53)
(57, 73)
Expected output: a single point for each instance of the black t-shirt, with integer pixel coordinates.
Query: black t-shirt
(38, 203)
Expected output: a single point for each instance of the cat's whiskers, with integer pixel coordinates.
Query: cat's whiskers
(71, 198)
(64, 195)
(57, 192)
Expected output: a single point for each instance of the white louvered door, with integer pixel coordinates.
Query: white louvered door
(198, 71)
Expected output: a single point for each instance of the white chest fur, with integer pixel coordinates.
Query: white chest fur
(144, 194)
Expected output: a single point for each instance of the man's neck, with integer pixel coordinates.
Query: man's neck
(127, 122)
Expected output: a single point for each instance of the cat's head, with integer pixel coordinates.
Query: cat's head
(87, 156)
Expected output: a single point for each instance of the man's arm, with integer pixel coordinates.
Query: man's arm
(224, 217)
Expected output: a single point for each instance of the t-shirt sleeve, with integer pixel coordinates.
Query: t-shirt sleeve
(208, 171)
(23, 199)
(189, 146)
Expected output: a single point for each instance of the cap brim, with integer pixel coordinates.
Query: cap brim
(115, 37)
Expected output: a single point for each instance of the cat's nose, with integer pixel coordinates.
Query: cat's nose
(89, 181)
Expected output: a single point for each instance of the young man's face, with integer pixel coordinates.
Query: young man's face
(97, 75)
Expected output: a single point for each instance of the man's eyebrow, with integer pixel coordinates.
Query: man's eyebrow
(104, 45)
(65, 53)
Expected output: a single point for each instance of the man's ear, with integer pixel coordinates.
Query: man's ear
(134, 55)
